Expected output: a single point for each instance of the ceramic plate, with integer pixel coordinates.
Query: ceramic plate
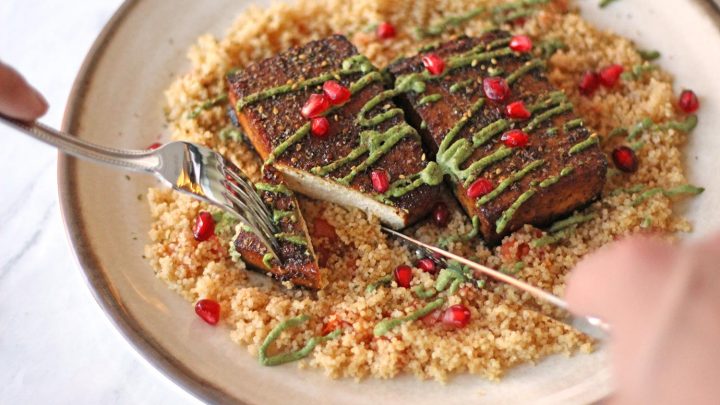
(117, 101)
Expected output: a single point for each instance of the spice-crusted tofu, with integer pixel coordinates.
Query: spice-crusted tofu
(366, 134)
(297, 262)
(499, 180)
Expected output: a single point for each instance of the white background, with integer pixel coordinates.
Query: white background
(56, 345)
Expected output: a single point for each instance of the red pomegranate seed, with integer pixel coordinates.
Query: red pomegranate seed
(336, 92)
(380, 180)
(479, 188)
(515, 138)
(204, 227)
(208, 310)
(154, 146)
(427, 265)
(456, 316)
(522, 250)
(521, 43)
(319, 127)
(610, 75)
(385, 30)
(403, 275)
(518, 111)
(625, 159)
(432, 318)
(689, 102)
(589, 83)
(434, 64)
(316, 105)
(496, 88)
(441, 215)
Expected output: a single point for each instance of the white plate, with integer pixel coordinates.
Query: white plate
(117, 101)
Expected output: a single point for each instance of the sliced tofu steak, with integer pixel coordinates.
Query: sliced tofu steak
(508, 141)
(297, 262)
(367, 135)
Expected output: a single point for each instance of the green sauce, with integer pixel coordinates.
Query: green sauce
(486, 134)
(291, 140)
(222, 98)
(283, 358)
(576, 123)
(638, 71)
(431, 175)
(683, 126)
(273, 188)
(640, 127)
(551, 131)
(474, 232)
(550, 47)
(589, 142)
(525, 69)
(605, 3)
(267, 260)
(535, 123)
(456, 87)
(280, 214)
(571, 221)
(649, 55)
(386, 325)
(451, 21)
(515, 177)
(385, 280)
(295, 239)
(508, 214)
(230, 133)
(421, 292)
(686, 189)
(430, 99)
(555, 179)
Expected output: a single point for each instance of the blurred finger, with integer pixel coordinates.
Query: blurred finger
(17, 98)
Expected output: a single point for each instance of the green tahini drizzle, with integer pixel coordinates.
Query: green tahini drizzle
(283, 358)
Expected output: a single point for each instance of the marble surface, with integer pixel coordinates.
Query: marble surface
(56, 345)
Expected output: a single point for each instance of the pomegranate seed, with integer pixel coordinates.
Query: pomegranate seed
(208, 310)
(204, 227)
(496, 88)
(522, 250)
(385, 30)
(427, 265)
(434, 64)
(319, 127)
(589, 83)
(689, 102)
(441, 215)
(154, 146)
(316, 105)
(432, 318)
(521, 43)
(517, 110)
(380, 180)
(336, 92)
(456, 316)
(625, 159)
(515, 138)
(479, 188)
(403, 276)
(610, 75)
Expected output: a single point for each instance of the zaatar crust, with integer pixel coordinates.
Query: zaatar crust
(271, 121)
(571, 192)
(297, 263)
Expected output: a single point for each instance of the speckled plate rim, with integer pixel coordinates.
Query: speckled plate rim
(102, 290)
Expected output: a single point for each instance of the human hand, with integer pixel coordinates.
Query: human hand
(663, 303)
(17, 98)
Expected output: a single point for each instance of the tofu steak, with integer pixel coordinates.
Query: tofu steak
(506, 169)
(367, 135)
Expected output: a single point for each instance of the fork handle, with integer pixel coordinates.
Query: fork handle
(134, 160)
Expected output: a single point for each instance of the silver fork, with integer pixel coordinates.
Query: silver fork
(188, 168)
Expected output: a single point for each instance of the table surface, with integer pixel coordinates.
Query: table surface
(56, 344)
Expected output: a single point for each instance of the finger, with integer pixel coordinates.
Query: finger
(17, 98)
(619, 278)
